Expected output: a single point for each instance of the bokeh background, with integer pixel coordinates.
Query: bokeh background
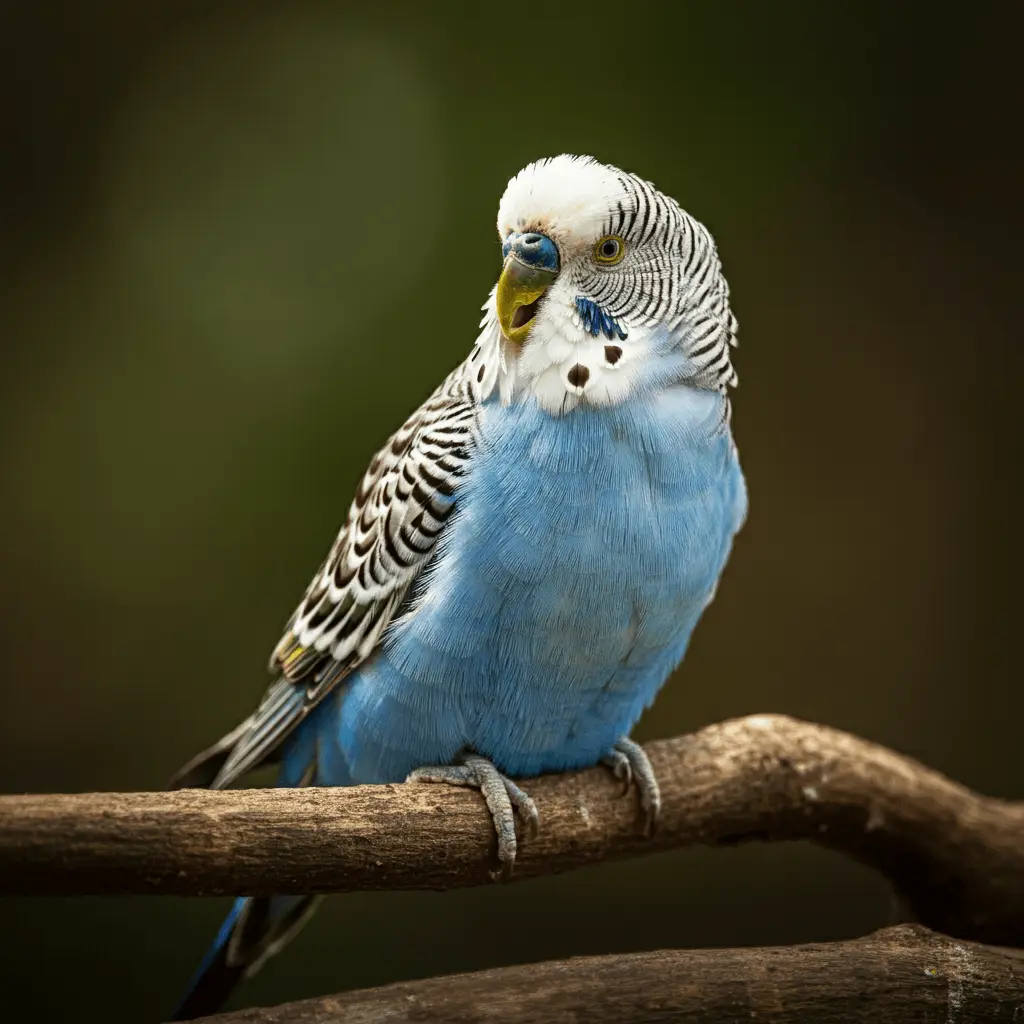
(241, 241)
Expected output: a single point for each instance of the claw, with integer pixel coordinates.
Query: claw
(523, 803)
(621, 769)
(638, 769)
(501, 796)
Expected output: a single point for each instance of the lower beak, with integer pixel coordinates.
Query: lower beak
(519, 291)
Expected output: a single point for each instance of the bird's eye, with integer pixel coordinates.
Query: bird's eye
(609, 250)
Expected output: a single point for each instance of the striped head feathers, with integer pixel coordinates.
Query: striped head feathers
(607, 289)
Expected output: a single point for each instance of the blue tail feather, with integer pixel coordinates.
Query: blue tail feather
(256, 928)
(215, 977)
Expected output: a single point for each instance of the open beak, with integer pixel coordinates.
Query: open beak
(531, 264)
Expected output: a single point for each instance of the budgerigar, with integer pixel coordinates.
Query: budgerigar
(526, 558)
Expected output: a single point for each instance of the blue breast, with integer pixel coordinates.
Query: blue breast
(564, 592)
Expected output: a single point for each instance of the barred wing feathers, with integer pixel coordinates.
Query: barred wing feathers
(399, 511)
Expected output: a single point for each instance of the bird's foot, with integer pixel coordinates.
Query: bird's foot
(630, 764)
(502, 795)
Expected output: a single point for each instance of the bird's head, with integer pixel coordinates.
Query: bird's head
(607, 289)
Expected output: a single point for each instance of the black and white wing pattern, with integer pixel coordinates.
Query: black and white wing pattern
(399, 511)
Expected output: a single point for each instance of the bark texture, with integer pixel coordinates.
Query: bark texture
(957, 857)
(903, 975)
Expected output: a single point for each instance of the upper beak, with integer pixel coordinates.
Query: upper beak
(531, 264)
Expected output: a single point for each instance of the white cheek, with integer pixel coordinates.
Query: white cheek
(560, 333)
(552, 392)
(562, 365)
(610, 388)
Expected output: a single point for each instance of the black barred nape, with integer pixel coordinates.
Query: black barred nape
(674, 278)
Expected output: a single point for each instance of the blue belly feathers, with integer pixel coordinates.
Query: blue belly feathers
(581, 555)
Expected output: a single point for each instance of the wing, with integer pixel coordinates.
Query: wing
(399, 511)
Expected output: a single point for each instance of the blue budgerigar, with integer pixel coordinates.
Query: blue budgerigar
(526, 558)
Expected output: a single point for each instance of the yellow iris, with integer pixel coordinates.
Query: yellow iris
(609, 250)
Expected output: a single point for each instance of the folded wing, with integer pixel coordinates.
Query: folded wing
(399, 511)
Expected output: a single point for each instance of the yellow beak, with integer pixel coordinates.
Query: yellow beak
(519, 289)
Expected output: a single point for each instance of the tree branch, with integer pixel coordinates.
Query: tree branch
(956, 856)
(904, 975)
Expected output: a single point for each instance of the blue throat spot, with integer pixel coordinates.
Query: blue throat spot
(596, 321)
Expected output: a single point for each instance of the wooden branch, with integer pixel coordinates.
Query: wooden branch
(957, 857)
(904, 975)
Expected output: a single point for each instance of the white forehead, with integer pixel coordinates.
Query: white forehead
(564, 197)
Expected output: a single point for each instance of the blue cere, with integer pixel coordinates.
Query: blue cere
(532, 249)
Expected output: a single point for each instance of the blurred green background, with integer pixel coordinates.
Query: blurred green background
(242, 241)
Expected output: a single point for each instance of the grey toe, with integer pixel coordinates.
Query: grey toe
(502, 796)
(643, 776)
(620, 766)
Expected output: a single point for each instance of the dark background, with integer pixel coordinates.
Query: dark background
(241, 242)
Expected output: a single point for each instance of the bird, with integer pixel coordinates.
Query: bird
(526, 558)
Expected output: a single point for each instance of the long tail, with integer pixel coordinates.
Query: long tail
(256, 929)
